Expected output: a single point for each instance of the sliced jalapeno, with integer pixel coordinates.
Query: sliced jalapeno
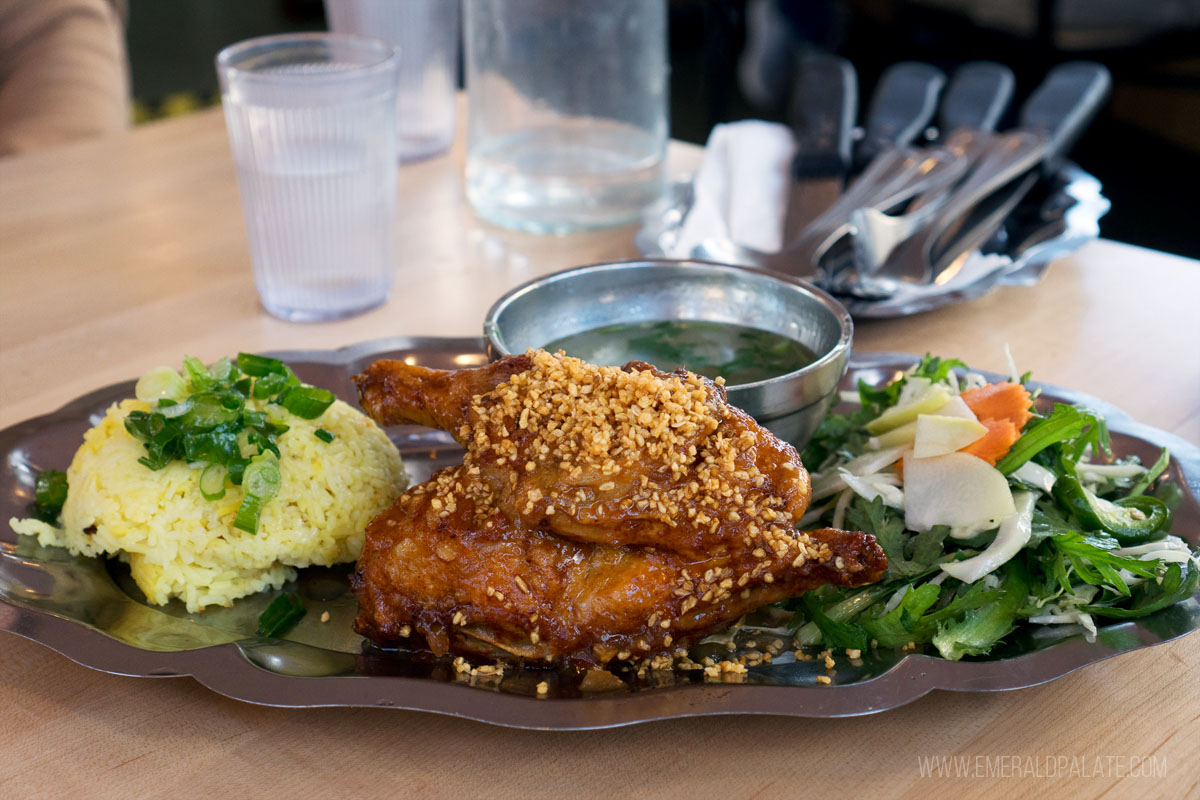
(1130, 520)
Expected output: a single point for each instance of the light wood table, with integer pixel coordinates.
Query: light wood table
(128, 252)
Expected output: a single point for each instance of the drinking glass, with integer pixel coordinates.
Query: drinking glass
(425, 33)
(312, 120)
(567, 120)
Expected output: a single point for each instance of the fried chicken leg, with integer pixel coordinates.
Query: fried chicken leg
(599, 513)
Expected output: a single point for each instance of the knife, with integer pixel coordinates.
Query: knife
(978, 95)
(821, 113)
(901, 108)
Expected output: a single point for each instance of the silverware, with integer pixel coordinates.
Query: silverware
(978, 95)
(1051, 121)
(973, 103)
(896, 176)
(823, 109)
(822, 117)
(916, 258)
(876, 233)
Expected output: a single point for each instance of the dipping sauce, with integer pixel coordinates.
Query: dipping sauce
(737, 353)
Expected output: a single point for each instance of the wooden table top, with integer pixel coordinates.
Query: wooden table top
(128, 252)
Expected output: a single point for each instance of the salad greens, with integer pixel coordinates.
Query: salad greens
(1086, 536)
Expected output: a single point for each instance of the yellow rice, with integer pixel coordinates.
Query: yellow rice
(180, 545)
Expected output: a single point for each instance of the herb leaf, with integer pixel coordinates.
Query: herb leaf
(1064, 423)
(907, 554)
(936, 369)
(980, 629)
(903, 624)
(834, 634)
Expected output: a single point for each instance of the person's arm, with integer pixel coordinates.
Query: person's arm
(64, 74)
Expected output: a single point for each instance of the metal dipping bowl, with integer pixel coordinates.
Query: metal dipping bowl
(652, 290)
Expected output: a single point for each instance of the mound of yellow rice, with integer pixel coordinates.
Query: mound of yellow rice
(180, 545)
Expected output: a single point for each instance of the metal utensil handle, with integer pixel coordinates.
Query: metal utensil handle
(822, 111)
(1065, 103)
(901, 108)
(978, 95)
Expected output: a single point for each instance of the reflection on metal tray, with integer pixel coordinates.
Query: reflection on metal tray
(90, 611)
(1057, 217)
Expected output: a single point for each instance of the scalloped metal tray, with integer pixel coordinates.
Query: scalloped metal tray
(90, 611)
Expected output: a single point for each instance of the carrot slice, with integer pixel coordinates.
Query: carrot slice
(1000, 401)
(995, 444)
(1003, 408)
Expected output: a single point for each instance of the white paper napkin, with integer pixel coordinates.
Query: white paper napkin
(741, 190)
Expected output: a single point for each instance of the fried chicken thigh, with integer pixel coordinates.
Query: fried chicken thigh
(599, 512)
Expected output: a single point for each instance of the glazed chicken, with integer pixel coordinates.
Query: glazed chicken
(599, 513)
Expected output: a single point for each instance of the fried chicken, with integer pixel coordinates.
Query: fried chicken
(599, 512)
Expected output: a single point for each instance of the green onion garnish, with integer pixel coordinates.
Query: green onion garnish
(247, 514)
(261, 478)
(200, 416)
(323, 435)
(258, 366)
(159, 383)
(307, 402)
(212, 481)
(281, 616)
(49, 494)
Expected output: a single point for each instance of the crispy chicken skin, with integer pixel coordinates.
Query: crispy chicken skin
(599, 513)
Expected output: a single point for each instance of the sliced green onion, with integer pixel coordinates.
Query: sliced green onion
(171, 409)
(49, 494)
(281, 616)
(258, 366)
(201, 418)
(197, 374)
(223, 370)
(210, 409)
(160, 383)
(212, 481)
(307, 402)
(323, 435)
(247, 514)
(254, 419)
(50, 488)
(261, 478)
(269, 385)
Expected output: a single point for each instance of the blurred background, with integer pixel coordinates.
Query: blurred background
(734, 59)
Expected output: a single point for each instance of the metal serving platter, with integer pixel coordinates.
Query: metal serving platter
(1059, 216)
(89, 610)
